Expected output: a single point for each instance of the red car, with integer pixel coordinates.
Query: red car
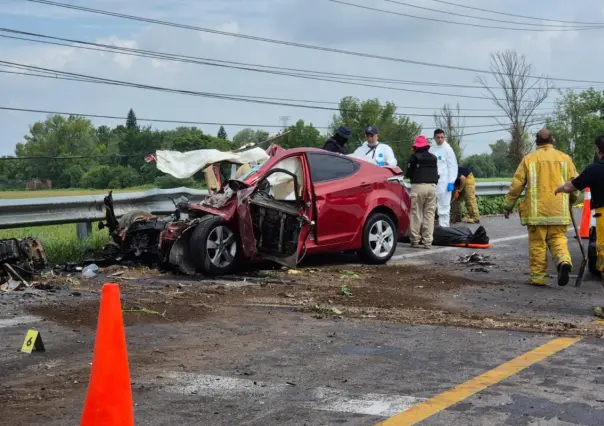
(300, 201)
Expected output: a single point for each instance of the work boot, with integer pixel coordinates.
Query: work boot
(427, 246)
(472, 221)
(414, 245)
(563, 273)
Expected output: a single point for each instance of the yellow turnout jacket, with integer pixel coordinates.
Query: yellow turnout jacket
(541, 172)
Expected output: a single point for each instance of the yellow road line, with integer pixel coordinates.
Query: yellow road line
(442, 401)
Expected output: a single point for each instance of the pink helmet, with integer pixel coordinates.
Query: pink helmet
(420, 142)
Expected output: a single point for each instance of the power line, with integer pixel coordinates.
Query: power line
(158, 120)
(163, 56)
(464, 24)
(285, 43)
(482, 17)
(516, 16)
(240, 98)
(215, 62)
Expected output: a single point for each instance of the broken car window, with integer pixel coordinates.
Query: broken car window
(324, 167)
(282, 184)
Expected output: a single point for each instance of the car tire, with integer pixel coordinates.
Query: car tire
(379, 239)
(213, 247)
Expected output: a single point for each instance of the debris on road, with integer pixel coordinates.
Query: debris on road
(20, 260)
(90, 271)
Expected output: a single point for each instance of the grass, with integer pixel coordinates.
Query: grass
(44, 193)
(61, 241)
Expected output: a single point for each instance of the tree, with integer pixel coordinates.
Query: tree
(501, 160)
(482, 165)
(450, 121)
(222, 134)
(576, 123)
(248, 135)
(57, 136)
(396, 130)
(521, 95)
(301, 134)
(131, 122)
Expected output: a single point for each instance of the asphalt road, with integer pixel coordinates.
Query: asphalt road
(268, 366)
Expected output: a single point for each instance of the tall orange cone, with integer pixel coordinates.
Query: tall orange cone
(586, 217)
(109, 398)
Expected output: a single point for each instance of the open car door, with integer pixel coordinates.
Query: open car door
(280, 212)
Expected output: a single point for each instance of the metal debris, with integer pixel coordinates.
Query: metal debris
(475, 259)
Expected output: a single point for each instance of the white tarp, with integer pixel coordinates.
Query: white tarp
(183, 165)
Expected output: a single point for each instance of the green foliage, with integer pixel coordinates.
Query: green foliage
(248, 135)
(576, 122)
(395, 130)
(301, 134)
(490, 205)
(111, 177)
(131, 122)
(222, 134)
(481, 165)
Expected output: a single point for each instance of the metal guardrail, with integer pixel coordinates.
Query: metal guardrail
(85, 209)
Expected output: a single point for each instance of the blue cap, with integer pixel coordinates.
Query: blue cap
(371, 130)
(344, 132)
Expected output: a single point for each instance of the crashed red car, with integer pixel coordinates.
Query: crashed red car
(298, 202)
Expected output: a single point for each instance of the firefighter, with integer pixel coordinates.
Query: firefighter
(465, 190)
(593, 177)
(546, 216)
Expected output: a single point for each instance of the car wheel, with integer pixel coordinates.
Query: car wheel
(379, 239)
(213, 246)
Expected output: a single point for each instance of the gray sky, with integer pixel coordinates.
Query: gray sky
(557, 53)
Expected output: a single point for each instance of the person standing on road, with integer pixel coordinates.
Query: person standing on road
(546, 216)
(447, 175)
(593, 177)
(337, 143)
(422, 170)
(465, 190)
(374, 151)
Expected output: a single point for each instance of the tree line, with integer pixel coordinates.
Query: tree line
(114, 157)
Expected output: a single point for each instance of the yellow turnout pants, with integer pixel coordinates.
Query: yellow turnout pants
(468, 195)
(542, 238)
(600, 238)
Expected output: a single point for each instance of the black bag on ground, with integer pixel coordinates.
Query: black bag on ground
(447, 236)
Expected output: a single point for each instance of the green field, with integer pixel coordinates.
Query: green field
(61, 242)
(44, 193)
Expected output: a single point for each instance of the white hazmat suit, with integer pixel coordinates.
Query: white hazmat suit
(447, 175)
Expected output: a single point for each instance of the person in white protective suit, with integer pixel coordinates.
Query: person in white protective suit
(374, 151)
(447, 174)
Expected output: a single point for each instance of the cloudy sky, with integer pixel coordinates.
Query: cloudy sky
(551, 49)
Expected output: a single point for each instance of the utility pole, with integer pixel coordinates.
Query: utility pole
(284, 119)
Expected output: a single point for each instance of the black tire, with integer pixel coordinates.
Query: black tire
(202, 255)
(367, 253)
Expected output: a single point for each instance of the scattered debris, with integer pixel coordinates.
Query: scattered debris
(345, 291)
(90, 271)
(475, 259)
(20, 260)
(348, 274)
(327, 310)
(293, 272)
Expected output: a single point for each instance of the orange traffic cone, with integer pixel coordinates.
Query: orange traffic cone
(109, 398)
(586, 217)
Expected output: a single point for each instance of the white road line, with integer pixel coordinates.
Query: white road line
(322, 398)
(444, 249)
(10, 322)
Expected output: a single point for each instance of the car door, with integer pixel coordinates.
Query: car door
(339, 198)
(280, 211)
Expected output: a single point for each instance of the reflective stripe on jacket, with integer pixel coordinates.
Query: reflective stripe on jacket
(541, 172)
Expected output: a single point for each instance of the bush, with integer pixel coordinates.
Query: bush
(112, 177)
